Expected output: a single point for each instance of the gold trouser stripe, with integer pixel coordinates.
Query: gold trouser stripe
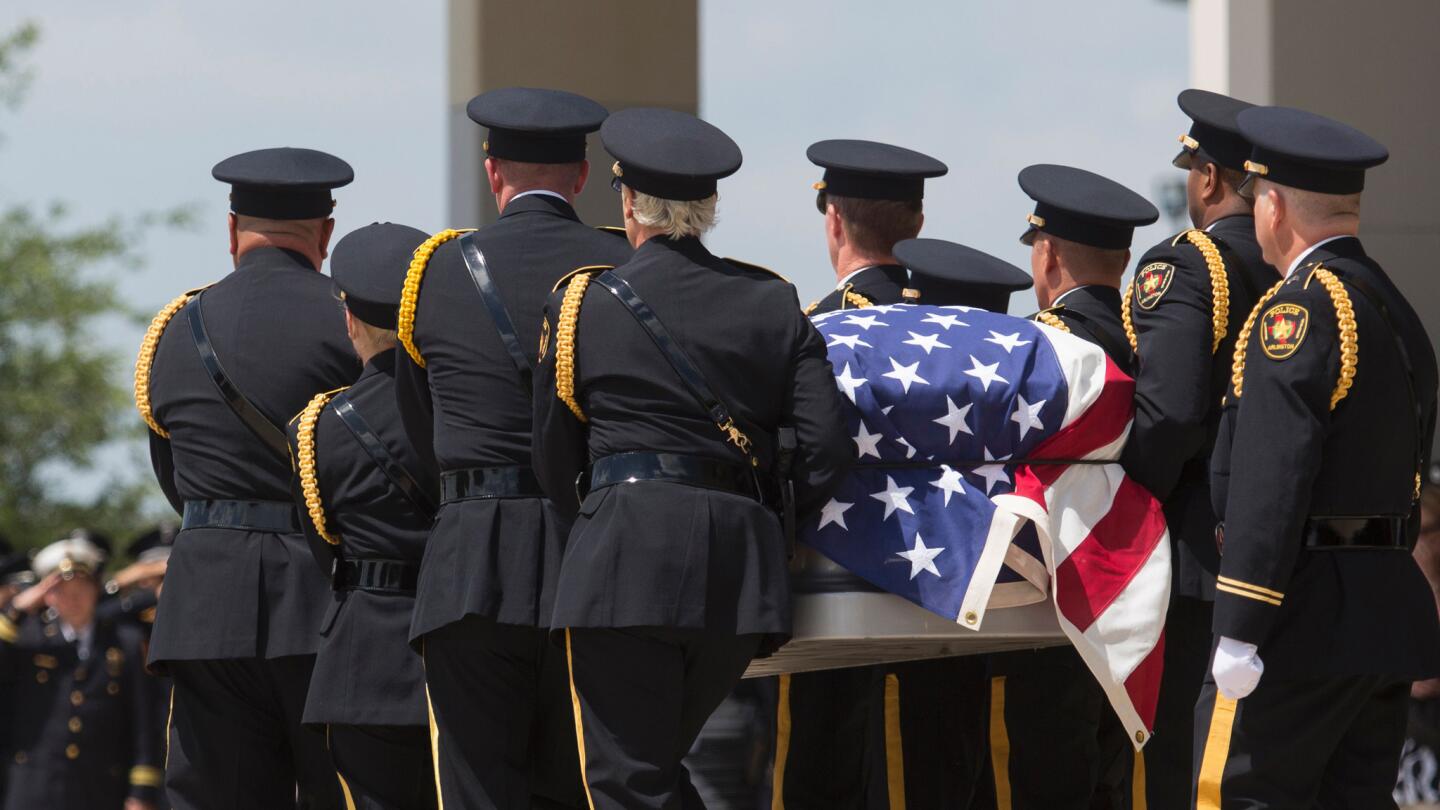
(894, 745)
(169, 724)
(1137, 783)
(1220, 586)
(579, 723)
(434, 740)
(1217, 751)
(1247, 586)
(782, 745)
(999, 744)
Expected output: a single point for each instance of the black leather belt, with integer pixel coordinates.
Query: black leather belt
(695, 471)
(1375, 533)
(278, 517)
(1386, 533)
(489, 482)
(381, 576)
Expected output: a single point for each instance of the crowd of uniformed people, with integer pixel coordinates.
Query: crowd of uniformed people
(498, 517)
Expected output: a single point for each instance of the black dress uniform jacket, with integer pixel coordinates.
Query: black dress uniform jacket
(1182, 376)
(1092, 312)
(365, 672)
(674, 555)
(495, 558)
(1284, 455)
(279, 332)
(878, 284)
(84, 734)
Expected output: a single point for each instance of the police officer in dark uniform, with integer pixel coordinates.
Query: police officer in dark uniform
(1056, 742)
(367, 519)
(470, 329)
(1079, 240)
(830, 725)
(659, 381)
(1322, 616)
(1189, 298)
(238, 624)
(872, 197)
(82, 735)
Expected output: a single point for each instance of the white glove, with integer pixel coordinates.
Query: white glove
(1237, 669)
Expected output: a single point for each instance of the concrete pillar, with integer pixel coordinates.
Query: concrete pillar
(1372, 65)
(622, 53)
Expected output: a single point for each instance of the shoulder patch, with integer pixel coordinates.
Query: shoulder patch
(1282, 329)
(1152, 282)
(589, 268)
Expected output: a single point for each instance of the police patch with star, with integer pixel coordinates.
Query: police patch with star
(1152, 282)
(1282, 329)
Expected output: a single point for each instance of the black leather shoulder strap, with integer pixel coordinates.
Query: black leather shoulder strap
(684, 367)
(495, 305)
(400, 477)
(266, 431)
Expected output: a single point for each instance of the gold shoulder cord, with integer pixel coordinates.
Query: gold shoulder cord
(145, 362)
(856, 300)
(814, 305)
(305, 463)
(410, 293)
(1242, 340)
(565, 327)
(1349, 335)
(1049, 318)
(1125, 317)
(1219, 283)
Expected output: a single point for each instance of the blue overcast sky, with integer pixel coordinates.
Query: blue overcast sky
(133, 102)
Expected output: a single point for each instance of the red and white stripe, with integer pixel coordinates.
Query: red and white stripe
(1104, 537)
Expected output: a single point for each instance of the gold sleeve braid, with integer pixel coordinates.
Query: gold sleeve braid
(410, 293)
(305, 463)
(1126, 319)
(145, 361)
(1219, 284)
(1242, 340)
(565, 327)
(1050, 319)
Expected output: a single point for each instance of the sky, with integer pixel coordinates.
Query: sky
(132, 103)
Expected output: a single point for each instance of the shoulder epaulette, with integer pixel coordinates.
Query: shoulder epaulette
(613, 230)
(305, 463)
(145, 361)
(1049, 318)
(757, 268)
(575, 283)
(410, 293)
(589, 268)
(814, 305)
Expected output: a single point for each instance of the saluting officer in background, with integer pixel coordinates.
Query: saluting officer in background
(1055, 740)
(239, 622)
(830, 746)
(1183, 311)
(367, 517)
(872, 196)
(1321, 614)
(83, 734)
(667, 382)
(470, 328)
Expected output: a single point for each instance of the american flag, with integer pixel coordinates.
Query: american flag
(956, 502)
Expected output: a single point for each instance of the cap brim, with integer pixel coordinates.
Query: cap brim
(1028, 237)
(1184, 160)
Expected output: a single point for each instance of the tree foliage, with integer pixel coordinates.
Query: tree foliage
(63, 393)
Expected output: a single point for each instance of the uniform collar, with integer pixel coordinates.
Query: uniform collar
(850, 277)
(1060, 299)
(382, 363)
(274, 257)
(541, 201)
(1299, 260)
(1223, 223)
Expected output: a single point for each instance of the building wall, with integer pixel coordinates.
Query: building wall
(622, 53)
(1371, 64)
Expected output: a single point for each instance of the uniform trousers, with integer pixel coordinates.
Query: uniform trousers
(499, 701)
(640, 697)
(236, 740)
(1169, 758)
(1055, 743)
(383, 767)
(1301, 744)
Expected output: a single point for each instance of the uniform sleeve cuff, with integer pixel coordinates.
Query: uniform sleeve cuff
(1242, 614)
(147, 776)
